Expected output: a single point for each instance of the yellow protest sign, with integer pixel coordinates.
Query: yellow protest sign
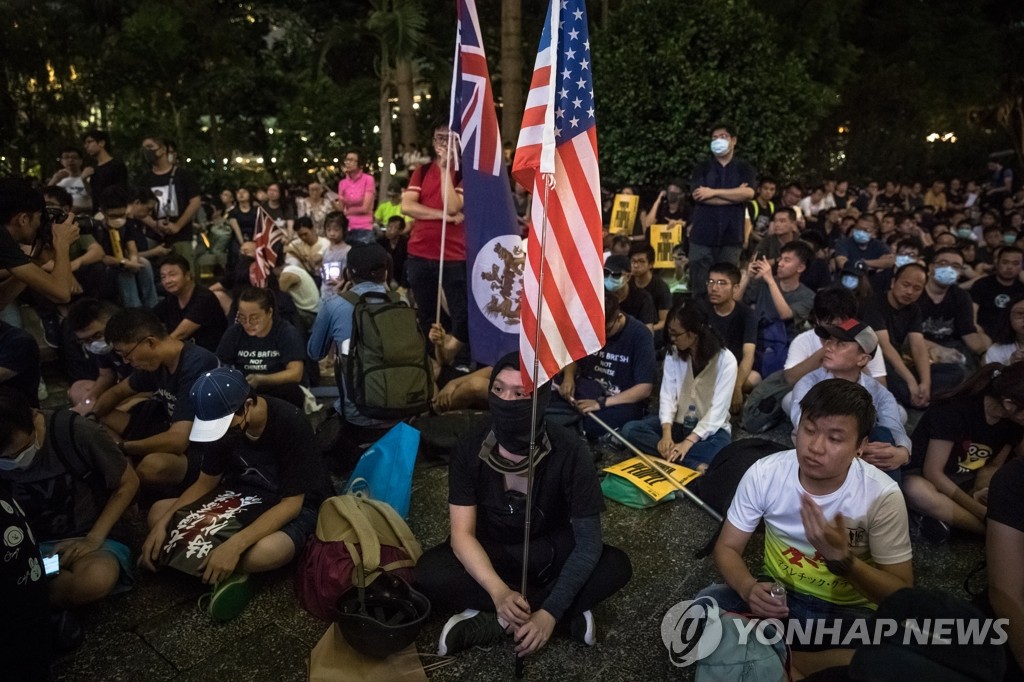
(664, 238)
(652, 481)
(623, 216)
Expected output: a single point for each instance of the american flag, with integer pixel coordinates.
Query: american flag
(493, 238)
(267, 235)
(559, 137)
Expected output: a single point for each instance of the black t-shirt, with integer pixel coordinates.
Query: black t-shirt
(23, 592)
(267, 355)
(720, 225)
(132, 231)
(659, 292)
(11, 255)
(948, 321)
(203, 308)
(565, 488)
(1004, 493)
(110, 174)
(962, 421)
(737, 328)
(113, 362)
(58, 503)
(173, 190)
(639, 304)
(281, 213)
(992, 299)
(398, 253)
(816, 276)
(665, 213)
(246, 221)
(19, 353)
(172, 389)
(282, 462)
(879, 315)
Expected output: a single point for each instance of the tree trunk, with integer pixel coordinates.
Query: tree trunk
(406, 112)
(386, 142)
(511, 69)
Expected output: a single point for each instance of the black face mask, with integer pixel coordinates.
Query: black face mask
(511, 421)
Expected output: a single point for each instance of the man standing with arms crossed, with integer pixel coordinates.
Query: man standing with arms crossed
(721, 186)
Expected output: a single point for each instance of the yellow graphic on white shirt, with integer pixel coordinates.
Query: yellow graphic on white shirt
(807, 573)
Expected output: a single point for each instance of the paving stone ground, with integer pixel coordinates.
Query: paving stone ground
(156, 632)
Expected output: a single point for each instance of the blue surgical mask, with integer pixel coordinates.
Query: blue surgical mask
(861, 236)
(22, 461)
(964, 232)
(946, 276)
(99, 347)
(903, 259)
(849, 281)
(614, 283)
(1009, 239)
(719, 146)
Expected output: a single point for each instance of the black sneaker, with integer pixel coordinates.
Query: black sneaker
(468, 629)
(582, 628)
(50, 323)
(934, 530)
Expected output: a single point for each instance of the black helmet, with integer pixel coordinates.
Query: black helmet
(385, 618)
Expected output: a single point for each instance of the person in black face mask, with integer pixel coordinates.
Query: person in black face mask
(477, 570)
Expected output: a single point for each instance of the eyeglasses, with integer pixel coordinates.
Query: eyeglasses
(715, 283)
(253, 319)
(128, 354)
(441, 139)
(675, 335)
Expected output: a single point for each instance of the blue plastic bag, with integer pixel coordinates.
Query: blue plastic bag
(384, 472)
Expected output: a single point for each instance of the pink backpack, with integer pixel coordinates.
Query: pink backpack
(356, 539)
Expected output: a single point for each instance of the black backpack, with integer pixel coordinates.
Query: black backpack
(387, 370)
(718, 485)
(61, 430)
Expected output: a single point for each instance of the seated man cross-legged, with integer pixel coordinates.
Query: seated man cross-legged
(478, 568)
(836, 533)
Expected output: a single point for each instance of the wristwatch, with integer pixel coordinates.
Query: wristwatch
(602, 402)
(840, 567)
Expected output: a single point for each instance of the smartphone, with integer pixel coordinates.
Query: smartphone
(51, 564)
(331, 272)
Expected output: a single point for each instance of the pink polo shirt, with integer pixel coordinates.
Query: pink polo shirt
(351, 193)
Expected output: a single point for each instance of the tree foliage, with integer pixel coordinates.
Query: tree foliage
(665, 72)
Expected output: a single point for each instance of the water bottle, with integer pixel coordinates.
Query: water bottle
(690, 420)
(778, 593)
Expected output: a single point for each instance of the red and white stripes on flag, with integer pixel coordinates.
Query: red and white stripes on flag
(267, 235)
(558, 140)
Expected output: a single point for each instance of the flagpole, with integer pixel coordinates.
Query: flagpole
(445, 175)
(533, 413)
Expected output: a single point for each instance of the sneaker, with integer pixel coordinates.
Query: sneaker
(229, 597)
(934, 530)
(51, 329)
(468, 629)
(582, 628)
(41, 392)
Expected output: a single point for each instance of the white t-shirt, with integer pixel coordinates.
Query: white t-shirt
(75, 186)
(808, 343)
(873, 510)
(305, 296)
(1000, 352)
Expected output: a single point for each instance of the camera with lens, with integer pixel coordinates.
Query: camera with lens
(54, 215)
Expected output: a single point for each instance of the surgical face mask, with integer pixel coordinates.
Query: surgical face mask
(612, 283)
(861, 236)
(903, 259)
(849, 281)
(964, 233)
(22, 461)
(117, 223)
(719, 146)
(99, 347)
(1009, 239)
(946, 276)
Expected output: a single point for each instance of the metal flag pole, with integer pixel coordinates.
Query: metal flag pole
(520, 660)
(659, 467)
(445, 175)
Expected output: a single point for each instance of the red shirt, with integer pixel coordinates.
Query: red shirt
(425, 240)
